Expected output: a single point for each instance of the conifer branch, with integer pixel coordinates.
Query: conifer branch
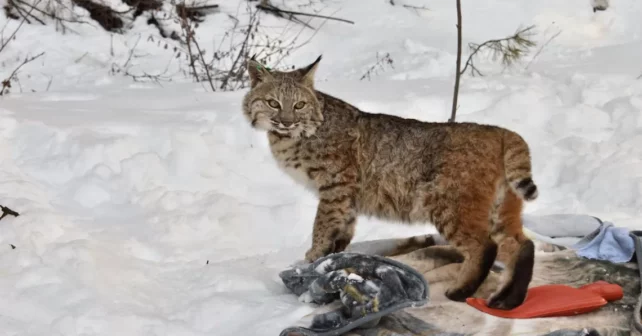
(510, 49)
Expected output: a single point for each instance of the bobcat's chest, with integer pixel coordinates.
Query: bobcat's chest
(292, 160)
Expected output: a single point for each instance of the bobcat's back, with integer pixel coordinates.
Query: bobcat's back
(400, 158)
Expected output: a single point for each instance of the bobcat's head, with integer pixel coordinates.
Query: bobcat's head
(283, 102)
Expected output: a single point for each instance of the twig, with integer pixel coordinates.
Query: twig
(509, 53)
(242, 52)
(154, 78)
(5, 43)
(25, 8)
(292, 45)
(125, 68)
(207, 70)
(541, 48)
(380, 62)
(6, 211)
(188, 39)
(49, 83)
(24, 15)
(140, 77)
(6, 84)
(81, 57)
(271, 8)
(279, 13)
(33, 7)
(131, 52)
(458, 65)
(415, 8)
(111, 45)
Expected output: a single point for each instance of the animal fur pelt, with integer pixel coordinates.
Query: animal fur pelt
(439, 264)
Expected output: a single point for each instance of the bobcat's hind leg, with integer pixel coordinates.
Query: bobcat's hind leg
(515, 250)
(428, 259)
(412, 245)
(479, 255)
(464, 224)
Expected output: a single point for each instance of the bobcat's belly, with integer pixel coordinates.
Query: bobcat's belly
(299, 175)
(286, 152)
(392, 197)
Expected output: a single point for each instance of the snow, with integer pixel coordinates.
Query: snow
(156, 210)
(324, 266)
(355, 277)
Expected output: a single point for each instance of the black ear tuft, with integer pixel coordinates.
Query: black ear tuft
(308, 72)
(313, 64)
(258, 73)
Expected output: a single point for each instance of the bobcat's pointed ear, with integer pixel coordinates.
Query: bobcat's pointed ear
(307, 77)
(258, 72)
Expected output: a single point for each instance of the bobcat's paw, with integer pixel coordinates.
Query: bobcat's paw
(459, 294)
(313, 254)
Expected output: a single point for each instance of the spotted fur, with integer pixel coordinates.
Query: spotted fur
(467, 179)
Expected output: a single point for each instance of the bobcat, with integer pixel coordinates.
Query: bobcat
(467, 179)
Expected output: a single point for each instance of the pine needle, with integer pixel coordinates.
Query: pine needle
(509, 49)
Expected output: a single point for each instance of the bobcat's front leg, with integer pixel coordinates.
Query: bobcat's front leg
(335, 219)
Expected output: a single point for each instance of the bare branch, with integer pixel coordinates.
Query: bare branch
(243, 52)
(125, 69)
(379, 64)
(205, 66)
(275, 10)
(6, 84)
(188, 40)
(4, 43)
(186, 17)
(458, 73)
(52, 10)
(541, 48)
(131, 52)
(195, 12)
(416, 9)
(8, 212)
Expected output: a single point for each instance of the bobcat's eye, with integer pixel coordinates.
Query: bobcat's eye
(273, 103)
(299, 105)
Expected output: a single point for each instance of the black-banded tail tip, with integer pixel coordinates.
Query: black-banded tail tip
(527, 188)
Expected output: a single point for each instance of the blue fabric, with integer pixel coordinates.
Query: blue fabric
(637, 313)
(608, 242)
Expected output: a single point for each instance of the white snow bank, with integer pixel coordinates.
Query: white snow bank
(150, 210)
(123, 206)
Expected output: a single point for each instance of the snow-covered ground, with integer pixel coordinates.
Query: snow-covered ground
(149, 210)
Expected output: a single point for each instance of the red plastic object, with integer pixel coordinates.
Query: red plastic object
(556, 300)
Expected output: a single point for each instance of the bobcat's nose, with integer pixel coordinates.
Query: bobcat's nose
(286, 122)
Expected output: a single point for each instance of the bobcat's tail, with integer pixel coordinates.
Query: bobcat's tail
(517, 166)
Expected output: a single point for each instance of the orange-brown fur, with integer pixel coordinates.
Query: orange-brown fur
(467, 179)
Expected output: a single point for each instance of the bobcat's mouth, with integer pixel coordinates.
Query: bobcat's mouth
(282, 129)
